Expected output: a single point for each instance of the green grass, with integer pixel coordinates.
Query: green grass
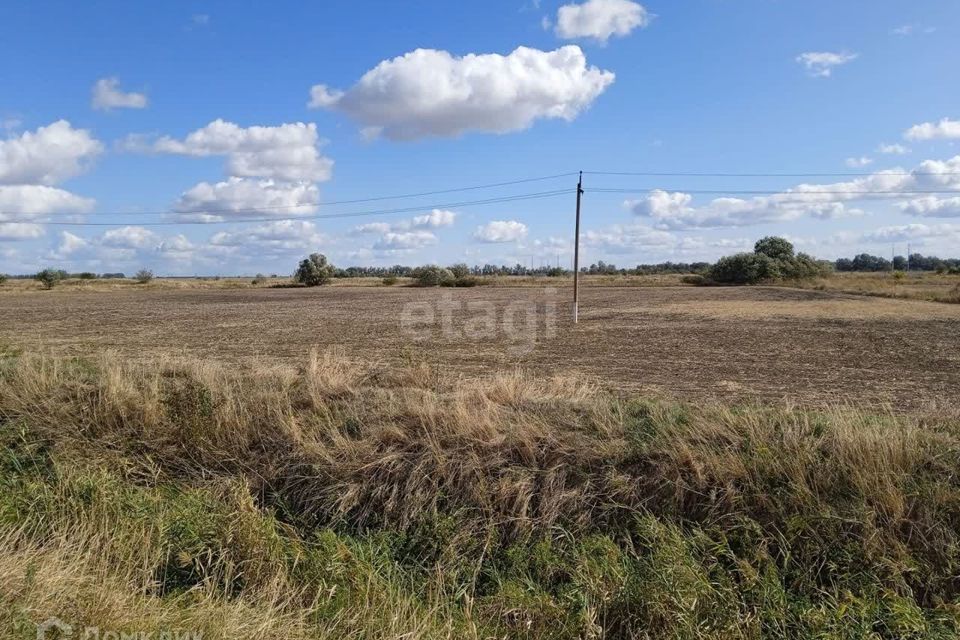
(333, 503)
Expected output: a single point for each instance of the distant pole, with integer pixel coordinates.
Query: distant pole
(576, 255)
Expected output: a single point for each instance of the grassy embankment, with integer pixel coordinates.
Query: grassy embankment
(338, 501)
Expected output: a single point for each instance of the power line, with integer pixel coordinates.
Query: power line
(401, 196)
(352, 214)
(767, 192)
(691, 174)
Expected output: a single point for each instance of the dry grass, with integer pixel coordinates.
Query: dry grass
(750, 343)
(911, 286)
(185, 494)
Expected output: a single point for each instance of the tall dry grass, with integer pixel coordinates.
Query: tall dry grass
(342, 499)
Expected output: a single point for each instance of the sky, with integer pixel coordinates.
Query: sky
(220, 138)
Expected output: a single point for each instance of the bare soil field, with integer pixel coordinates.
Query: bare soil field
(754, 343)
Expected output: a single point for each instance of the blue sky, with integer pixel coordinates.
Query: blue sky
(248, 118)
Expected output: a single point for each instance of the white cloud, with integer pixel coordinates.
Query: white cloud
(130, 237)
(283, 237)
(19, 231)
(243, 197)
(600, 19)
(893, 149)
(34, 200)
(48, 155)
(501, 231)
(946, 129)
(820, 64)
(933, 207)
(107, 95)
(434, 219)
(858, 163)
(428, 93)
(911, 29)
(902, 233)
(628, 238)
(288, 152)
(404, 241)
(675, 210)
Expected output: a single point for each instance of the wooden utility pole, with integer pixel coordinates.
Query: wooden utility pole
(576, 254)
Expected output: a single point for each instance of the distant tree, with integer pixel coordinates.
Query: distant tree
(867, 262)
(143, 276)
(87, 275)
(49, 278)
(460, 270)
(745, 268)
(314, 270)
(433, 276)
(3, 278)
(774, 247)
(899, 263)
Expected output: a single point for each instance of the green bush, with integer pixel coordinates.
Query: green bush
(466, 281)
(389, 281)
(746, 268)
(460, 270)
(433, 276)
(314, 270)
(87, 275)
(694, 279)
(772, 260)
(49, 278)
(3, 278)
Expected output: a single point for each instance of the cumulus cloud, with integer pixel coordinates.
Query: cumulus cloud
(404, 241)
(48, 155)
(902, 233)
(858, 163)
(674, 210)
(288, 152)
(19, 230)
(820, 64)
(600, 19)
(243, 197)
(893, 149)
(433, 220)
(35, 200)
(932, 207)
(501, 231)
(282, 237)
(431, 93)
(106, 95)
(946, 129)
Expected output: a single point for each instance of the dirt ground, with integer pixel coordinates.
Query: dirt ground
(764, 343)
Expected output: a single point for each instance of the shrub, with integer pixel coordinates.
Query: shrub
(143, 276)
(466, 281)
(259, 279)
(774, 247)
(899, 275)
(389, 281)
(433, 276)
(314, 270)
(745, 268)
(86, 275)
(460, 270)
(693, 279)
(773, 259)
(49, 278)
(3, 278)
